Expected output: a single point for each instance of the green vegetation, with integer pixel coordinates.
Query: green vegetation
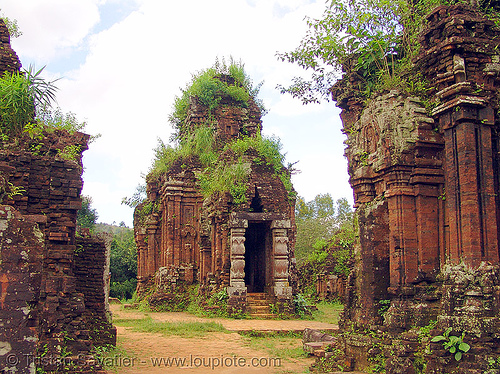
(123, 260)
(326, 232)
(87, 216)
(183, 329)
(286, 346)
(123, 253)
(107, 357)
(328, 312)
(374, 40)
(26, 110)
(322, 221)
(22, 96)
(12, 26)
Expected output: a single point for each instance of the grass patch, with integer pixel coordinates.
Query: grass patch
(328, 312)
(284, 345)
(108, 356)
(184, 329)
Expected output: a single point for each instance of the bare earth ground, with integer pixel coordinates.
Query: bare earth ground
(214, 352)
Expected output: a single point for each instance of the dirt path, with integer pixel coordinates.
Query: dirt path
(214, 352)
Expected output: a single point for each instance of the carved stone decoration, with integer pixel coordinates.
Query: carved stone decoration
(427, 201)
(281, 287)
(238, 258)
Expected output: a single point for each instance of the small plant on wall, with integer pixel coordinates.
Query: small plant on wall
(454, 344)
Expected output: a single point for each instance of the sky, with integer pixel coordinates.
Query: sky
(123, 62)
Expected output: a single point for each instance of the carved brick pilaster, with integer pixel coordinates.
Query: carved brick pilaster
(282, 288)
(237, 277)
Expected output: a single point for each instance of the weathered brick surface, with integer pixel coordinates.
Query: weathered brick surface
(21, 254)
(8, 58)
(427, 196)
(91, 280)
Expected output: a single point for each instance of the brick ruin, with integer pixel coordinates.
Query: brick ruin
(427, 196)
(245, 248)
(52, 283)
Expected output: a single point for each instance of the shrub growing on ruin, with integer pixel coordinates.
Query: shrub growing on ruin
(375, 40)
(198, 144)
(209, 89)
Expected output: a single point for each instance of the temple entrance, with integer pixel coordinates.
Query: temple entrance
(256, 242)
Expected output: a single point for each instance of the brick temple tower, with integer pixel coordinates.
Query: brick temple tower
(244, 246)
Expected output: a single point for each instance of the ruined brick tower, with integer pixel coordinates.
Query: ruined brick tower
(53, 292)
(243, 243)
(427, 189)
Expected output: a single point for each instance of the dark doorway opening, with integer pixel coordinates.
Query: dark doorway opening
(255, 256)
(256, 205)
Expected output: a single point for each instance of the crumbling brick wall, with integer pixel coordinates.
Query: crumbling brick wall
(40, 186)
(92, 276)
(8, 57)
(50, 188)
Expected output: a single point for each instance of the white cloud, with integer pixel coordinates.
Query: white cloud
(50, 26)
(133, 70)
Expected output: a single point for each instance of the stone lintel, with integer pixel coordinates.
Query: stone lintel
(235, 222)
(250, 216)
(454, 89)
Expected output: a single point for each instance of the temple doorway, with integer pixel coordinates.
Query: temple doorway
(256, 266)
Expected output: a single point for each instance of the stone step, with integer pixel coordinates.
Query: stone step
(258, 308)
(258, 305)
(259, 302)
(262, 315)
(257, 296)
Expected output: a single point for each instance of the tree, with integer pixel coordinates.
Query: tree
(320, 220)
(374, 39)
(12, 26)
(123, 264)
(86, 216)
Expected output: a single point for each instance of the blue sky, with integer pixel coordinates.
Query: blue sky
(122, 63)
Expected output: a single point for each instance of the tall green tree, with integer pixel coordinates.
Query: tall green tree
(318, 221)
(123, 264)
(86, 216)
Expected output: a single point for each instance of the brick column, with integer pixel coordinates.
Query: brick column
(237, 290)
(281, 288)
(237, 279)
(403, 244)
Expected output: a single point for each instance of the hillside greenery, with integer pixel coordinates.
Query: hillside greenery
(326, 233)
(123, 252)
(123, 260)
